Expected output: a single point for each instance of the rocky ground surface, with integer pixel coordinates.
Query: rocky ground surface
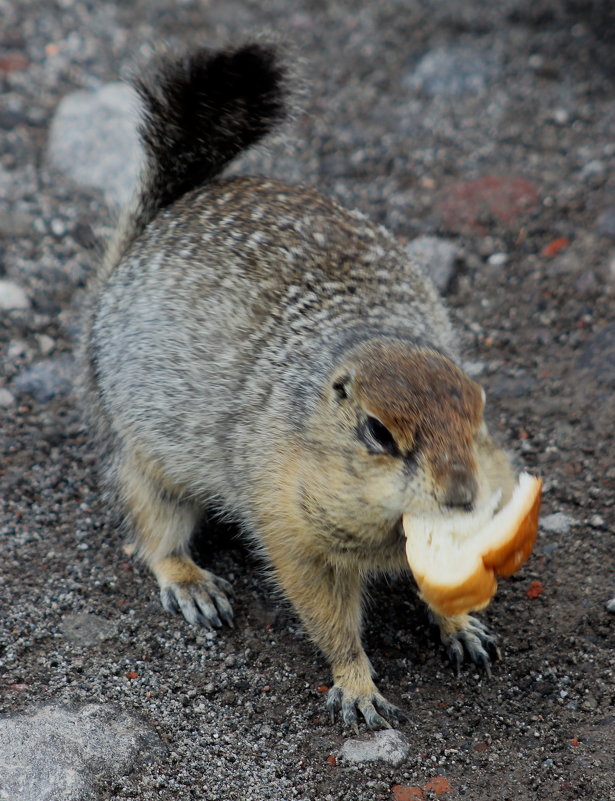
(487, 130)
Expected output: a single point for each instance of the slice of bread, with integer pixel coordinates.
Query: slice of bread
(455, 560)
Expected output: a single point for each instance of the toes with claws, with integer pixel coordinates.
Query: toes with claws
(373, 708)
(467, 637)
(198, 594)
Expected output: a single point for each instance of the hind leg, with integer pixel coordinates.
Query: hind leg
(163, 523)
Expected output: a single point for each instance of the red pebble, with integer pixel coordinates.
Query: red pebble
(535, 589)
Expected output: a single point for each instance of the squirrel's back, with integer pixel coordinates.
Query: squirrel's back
(229, 299)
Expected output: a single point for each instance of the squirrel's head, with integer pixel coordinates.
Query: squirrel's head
(408, 425)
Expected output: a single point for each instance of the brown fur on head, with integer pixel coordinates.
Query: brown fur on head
(430, 407)
(400, 431)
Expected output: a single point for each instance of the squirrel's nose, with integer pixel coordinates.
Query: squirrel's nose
(461, 488)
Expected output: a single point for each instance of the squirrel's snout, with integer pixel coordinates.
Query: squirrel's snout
(461, 487)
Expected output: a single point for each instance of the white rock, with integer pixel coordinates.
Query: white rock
(6, 398)
(12, 296)
(93, 139)
(58, 754)
(388, 745)
(610, 605)
(497, 259)
(561, 116)
(557, 523)
(45, 343)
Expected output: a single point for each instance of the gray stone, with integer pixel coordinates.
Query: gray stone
(6, 398)
(474, 368)
(46, 380)
(598, 357)
(59, 754)
(15, 223)
(454, 71)
(605, 224)
(557, 523)
(388, 745)
(593, 169)
(93, 139)
(438, 258)
(85, 629)
(610, 606)
(12, 296)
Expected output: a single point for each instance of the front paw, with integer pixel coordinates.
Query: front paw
(467, 636)
(373, 707)
(198, 594)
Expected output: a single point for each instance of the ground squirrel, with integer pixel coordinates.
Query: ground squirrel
(255, 348)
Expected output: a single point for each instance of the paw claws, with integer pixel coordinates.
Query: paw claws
(455, 655)
(201, 603)
(472, 640)
(169, 602)
(369, 708)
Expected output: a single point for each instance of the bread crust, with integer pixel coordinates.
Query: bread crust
(496, 553)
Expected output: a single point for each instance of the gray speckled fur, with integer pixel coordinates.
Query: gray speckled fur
(221, 324)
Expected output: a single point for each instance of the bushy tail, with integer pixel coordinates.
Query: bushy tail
(199, 112)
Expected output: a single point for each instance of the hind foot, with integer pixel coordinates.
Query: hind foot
(198, 594)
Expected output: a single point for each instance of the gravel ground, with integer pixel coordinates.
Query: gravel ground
(486, 124)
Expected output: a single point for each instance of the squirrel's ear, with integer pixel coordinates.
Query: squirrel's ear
(342, 386)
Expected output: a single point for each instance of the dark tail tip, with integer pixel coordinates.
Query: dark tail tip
(202, 110)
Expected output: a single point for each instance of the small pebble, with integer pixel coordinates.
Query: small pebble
(498, 259)
(561, 116)
(6, 398)
(12, 296)
(475, 368)
(46, 344)
(536, 61)
(58, 228)
(593, 169)
(610, 606)
(557, 523)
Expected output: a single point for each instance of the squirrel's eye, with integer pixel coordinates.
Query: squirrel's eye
(381, 435)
